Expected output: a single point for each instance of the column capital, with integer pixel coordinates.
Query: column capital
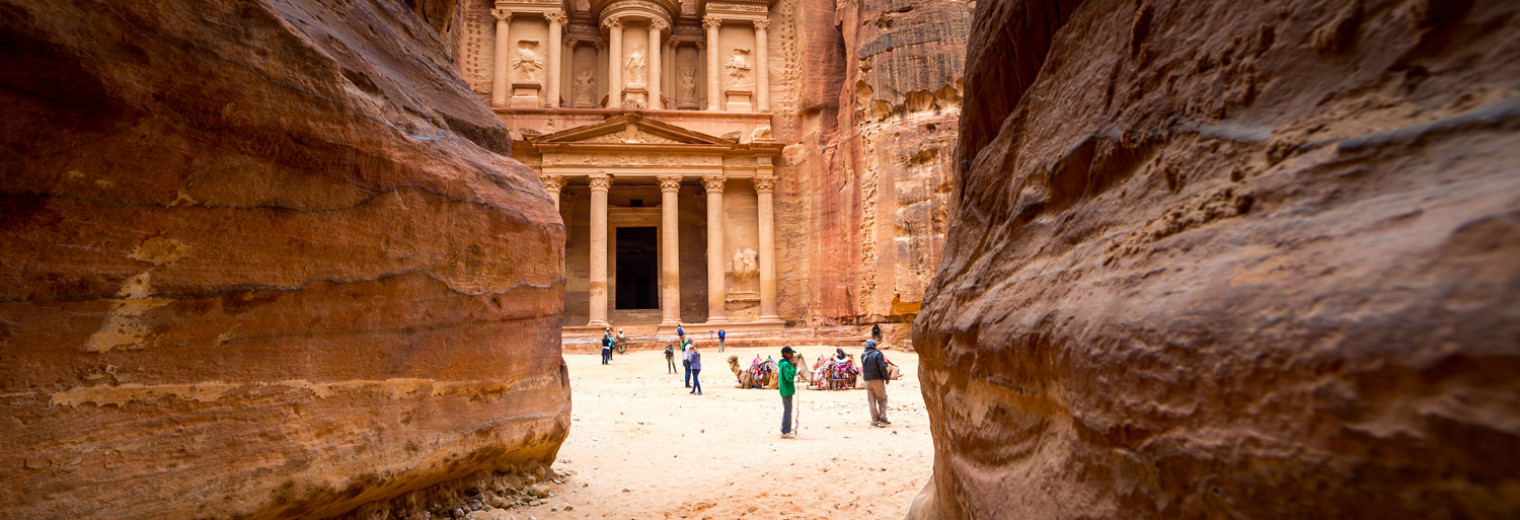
(670, 183)
(556, 17)
(761, 25)
(714, 183)
(600, 182)
(502, 15)
(613, 23)
(553, 183)
(764, 184)
(711, 22)
(658, 25)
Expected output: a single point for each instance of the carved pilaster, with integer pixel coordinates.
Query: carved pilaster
(556, 17)
(761, 25)
(711, 22)
(612, 23)
(658, 24)
(502, 15)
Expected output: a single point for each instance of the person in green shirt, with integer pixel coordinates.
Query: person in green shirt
(788, 386)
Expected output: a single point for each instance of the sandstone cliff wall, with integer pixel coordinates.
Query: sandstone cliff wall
(261, 260)
(874, 114)
(1217, 259)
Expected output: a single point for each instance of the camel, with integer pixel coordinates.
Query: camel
(763, 374)
(831, 376)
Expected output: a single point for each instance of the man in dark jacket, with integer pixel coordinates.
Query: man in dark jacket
(873, 366)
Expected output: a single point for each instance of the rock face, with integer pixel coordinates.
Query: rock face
(1215, 259)
(261, 260)
(873, 178)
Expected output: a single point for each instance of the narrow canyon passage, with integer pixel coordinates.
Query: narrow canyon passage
(720, 455)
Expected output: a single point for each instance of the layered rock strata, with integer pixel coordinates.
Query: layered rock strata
(262, 259)
(1215, 259)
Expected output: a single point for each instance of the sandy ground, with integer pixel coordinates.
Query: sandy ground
(640, 446)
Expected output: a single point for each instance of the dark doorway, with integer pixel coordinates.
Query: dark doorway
(638, 274)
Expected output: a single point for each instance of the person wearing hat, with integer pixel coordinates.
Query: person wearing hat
(873, 367)
(788, 385)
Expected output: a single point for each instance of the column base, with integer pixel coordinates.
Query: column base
(769, 318)
(716, 321)
(598, 323)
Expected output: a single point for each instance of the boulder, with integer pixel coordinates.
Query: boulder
(262, 259)
(1217, 259)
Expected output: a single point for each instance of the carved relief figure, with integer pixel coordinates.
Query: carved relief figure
(528, 63)
(738, 69)
(636, 66)
(746, 264)
(688, 83)
(585, 89)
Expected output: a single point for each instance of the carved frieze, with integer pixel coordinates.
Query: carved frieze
(595, 159)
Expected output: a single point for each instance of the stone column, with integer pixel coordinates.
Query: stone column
(556, 22)
(717, 286)
(600, 183)
(554, 183)
(670, 250)
(614, 63)
(655, 72)
(499, 58)
(764, 186)
(714, 96)
(762, 68)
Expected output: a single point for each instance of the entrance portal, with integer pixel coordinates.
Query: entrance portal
(638, 268)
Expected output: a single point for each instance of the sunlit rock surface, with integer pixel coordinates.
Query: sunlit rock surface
(261, 260)
(1219, 259)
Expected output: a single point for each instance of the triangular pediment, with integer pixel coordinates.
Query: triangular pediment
(631, 129)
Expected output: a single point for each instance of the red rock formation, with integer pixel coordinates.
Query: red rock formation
(261, 260)
(1216, 259)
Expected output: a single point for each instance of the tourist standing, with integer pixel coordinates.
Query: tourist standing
(720, 339)
(788, 385)
(686, 360)
(876, 332)
(670, 358)
(606, 347)
(680, 332)
(621, 341)
(696, 369)
(874, 368)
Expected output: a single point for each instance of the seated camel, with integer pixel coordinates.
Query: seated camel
(832, 374)
(746, 378)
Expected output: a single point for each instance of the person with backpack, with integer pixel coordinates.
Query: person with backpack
(670, 358)
(606, 347)
(696, 369)
(787, 371)
(686, 360)
(874, 368)
(721, 334)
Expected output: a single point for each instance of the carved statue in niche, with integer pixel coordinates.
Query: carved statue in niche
(746, 264)
(528, 62)
(636, 66)
(738, 69)
(585, 89)
(688, 82)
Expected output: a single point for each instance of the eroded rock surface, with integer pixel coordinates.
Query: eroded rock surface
(261, 260)
(1216, 259)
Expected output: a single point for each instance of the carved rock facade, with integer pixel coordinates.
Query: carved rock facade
(271, 272)
(1214, 259)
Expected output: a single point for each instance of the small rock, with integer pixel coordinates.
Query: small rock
(626, 490)
(459, 512)
(474, 504)
(566, 507)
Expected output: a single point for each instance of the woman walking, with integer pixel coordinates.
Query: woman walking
(696, 370)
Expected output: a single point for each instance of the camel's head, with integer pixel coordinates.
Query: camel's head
(733, 361)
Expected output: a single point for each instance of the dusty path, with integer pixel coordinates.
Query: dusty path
(720, 455)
